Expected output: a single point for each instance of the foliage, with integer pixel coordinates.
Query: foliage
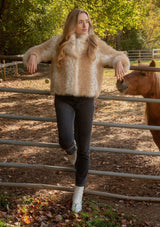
(4, 202)
(151, 29)
(3, 224)
(26, 23)
(44, 211)
(132, 40)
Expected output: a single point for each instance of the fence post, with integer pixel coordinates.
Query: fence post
(16, 69)
(4, 70)
(152, 53)
(139, 55)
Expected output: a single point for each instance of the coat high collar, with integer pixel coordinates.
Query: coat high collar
(76, 45)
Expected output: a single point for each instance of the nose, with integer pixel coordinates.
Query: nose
(84, 24)
(121, 85)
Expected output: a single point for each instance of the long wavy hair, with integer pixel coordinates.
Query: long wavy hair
(69, 29)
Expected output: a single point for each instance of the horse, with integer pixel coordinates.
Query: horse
(147, 84)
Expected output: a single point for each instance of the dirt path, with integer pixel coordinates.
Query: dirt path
(109, 111)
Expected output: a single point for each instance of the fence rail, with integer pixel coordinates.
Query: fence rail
(108, 97)
(108, 124)
(19, 59)
(66, 169)
(5, 65)
(144, 54)
(156, 53)
(140, 54)
(53, 145)
(91, 192)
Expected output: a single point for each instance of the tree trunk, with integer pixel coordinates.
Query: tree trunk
(3, 4)
(118, 40)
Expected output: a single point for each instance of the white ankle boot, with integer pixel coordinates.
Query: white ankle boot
(77, 199)
(72, 158)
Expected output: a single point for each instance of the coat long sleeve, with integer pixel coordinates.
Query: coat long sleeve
(44, 52)
(110, 56)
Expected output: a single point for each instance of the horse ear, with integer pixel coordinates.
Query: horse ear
(152, 64)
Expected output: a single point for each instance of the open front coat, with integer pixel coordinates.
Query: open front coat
(78, 75)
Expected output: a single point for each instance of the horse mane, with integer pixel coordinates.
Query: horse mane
(156, 85)
(156, 88)
(156, 79)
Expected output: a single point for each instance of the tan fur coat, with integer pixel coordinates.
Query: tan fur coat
(79, 75)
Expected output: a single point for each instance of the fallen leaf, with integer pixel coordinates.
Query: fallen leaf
(26, 219)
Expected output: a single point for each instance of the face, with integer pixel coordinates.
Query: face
(82, 24)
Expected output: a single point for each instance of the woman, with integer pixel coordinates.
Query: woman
(77, 58)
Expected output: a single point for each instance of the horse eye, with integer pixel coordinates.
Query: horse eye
(143, 74)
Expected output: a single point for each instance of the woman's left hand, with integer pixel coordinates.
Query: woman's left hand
(119, 70)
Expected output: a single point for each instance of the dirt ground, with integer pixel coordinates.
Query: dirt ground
(105, 111)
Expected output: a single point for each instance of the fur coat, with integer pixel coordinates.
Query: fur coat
(79, 75)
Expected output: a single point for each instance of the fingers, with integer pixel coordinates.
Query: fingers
(32, 64)
(31, 68)
(120, 74)
(119, 71)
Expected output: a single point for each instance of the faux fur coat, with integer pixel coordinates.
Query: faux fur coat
(79, 75)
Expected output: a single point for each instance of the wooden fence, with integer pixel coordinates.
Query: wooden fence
(17, 59)
(135, 55)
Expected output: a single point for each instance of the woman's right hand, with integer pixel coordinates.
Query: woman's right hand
(32, 64)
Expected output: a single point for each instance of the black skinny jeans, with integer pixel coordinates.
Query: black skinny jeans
(74, 121)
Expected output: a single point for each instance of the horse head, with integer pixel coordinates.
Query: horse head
(138, 82)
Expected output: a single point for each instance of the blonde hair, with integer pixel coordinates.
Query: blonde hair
(69, 29)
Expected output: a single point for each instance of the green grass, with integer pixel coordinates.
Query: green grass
(101, 215)
(2, 223)
(4, 201)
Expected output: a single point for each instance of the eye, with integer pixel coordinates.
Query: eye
(143, 74)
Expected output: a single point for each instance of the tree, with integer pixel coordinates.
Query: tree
(151, 29)
(24, 23)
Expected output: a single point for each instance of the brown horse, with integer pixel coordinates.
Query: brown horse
(147, 84)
